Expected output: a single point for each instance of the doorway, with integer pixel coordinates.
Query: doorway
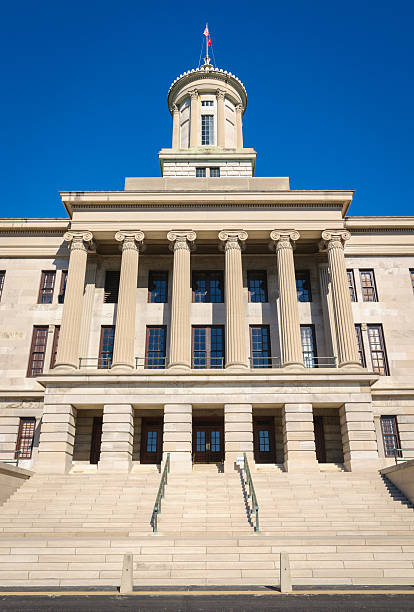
(208, 442)
(320, 447)
(96, 440)
(151, 440)
(264, 440)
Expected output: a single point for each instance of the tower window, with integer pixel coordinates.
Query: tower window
(207, 129)
(214, 172)
(207, 103)
(201, 172)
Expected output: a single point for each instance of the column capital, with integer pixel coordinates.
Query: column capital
(283, 239)
(79, 240)
(193, 94)
(182, 239)
(131, 240)
(220, 94)
(239, 108)
(334, 239)
(233, 239)
(174, 108)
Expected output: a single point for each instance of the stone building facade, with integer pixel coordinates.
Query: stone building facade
(205, 314)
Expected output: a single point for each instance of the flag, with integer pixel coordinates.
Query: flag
(206, 32)
(209, 41)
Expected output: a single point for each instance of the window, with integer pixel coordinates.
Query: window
(208, 286)
(257, 284)
(2, 277)
(201, 172)
(351, 285)
(411, 275)
(158, 287)
(106, 347)
(390, 436)
(54, 346)
(214, 172)
(260, 346)
(307, 333)
(360, 343)
(303, 287)
(37, 350)
(25, 438)
(207, 129)
(62, 290)
(369, 290)
(207, 103)
(47, 285)
(208, 347)
(377, 348)
(155, 347)
(111, 286)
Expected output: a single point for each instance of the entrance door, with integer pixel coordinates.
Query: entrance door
(264, 440)
(208, 443)
(319, 439)
(151, 440)
(96, 440)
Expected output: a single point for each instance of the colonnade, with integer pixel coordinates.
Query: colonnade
(182, 243)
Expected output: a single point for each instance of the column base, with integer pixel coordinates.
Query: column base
(176, 367)
(122, 366)
(236, 366)
(180, 462)
(293, 365)
(60, 367)
(350, 365)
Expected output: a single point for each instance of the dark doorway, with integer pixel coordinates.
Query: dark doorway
(264, 439)
(96, 440)
(208, 442)
(319, 439)
(151, 440)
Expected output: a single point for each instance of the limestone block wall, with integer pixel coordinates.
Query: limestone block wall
(184, 169)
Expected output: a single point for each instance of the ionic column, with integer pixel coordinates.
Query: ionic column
(68, 348)
(117, 438)
(57, 438)
(290, 340)
(176, 127)
(180, 337)
(221, 134)
(344, 321)
(123, 355)
(236, 353)
(239, 126)
(327, 310)
(194, 119)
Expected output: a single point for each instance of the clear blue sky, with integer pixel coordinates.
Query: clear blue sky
(335, 77)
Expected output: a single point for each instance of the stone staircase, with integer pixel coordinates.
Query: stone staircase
(339, 528)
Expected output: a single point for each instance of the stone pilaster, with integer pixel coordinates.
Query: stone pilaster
(123, 355)
(68, 348)
(327, 311)
(238, 434)
(344, 322)
(358, 437)
(57, 437)
(236, 352)
(117, 438)
(221, 134)
(239, 126)
(176, 127)
(177, 437)
(194, 119)
(180, 337)
(299, 438)
(290, 340)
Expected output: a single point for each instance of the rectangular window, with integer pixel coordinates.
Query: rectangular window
(54, 346)
(2, 277)
(62, 290)
(25, 438)
(111, 286)
(214, 172)
(37, 350)
(257, 284)
(360, 343)
(201, 172)
(155, 347)
(377, 348)
(390, 436)
(208, 286)
(207, 129)
(158, 287)
(369, 290)
(411, 276)
(307, 333)
(260, 346)
(47, 285)
(106, 347)
(208, 347)
(207, 103)
(303, 287)
(351, 285)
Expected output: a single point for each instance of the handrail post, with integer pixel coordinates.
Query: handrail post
(252, 492)
(161, 491)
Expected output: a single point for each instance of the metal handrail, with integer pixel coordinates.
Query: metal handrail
(216, 363)
(252, 492)
(15, 460)
(319, 362)
(399, 457)
(145, 362)
(99, 363)
(161, 490)
(265, 362)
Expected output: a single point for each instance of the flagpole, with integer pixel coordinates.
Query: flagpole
(207, 58)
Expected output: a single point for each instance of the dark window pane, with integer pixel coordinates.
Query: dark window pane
(107, 347)
(208, 347)
(215, 441)
(377, 348)
(25, 438)
(411, 276)
(208, 286)
(264, 440)
(158, 287)
(201, 172)
(360, 345)
(351, 284)
(214, 172)
(257, 284)
(47, 285)
(111, 286)
(390, 436)
(156, 344)
(207, 129)
(2, 277)
(369, 291)
(303, 287)
(152, 441)
(63, 281)
(260, 346)
(308, 346)
(37, 350)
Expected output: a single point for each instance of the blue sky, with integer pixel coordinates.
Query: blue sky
(84, 91)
